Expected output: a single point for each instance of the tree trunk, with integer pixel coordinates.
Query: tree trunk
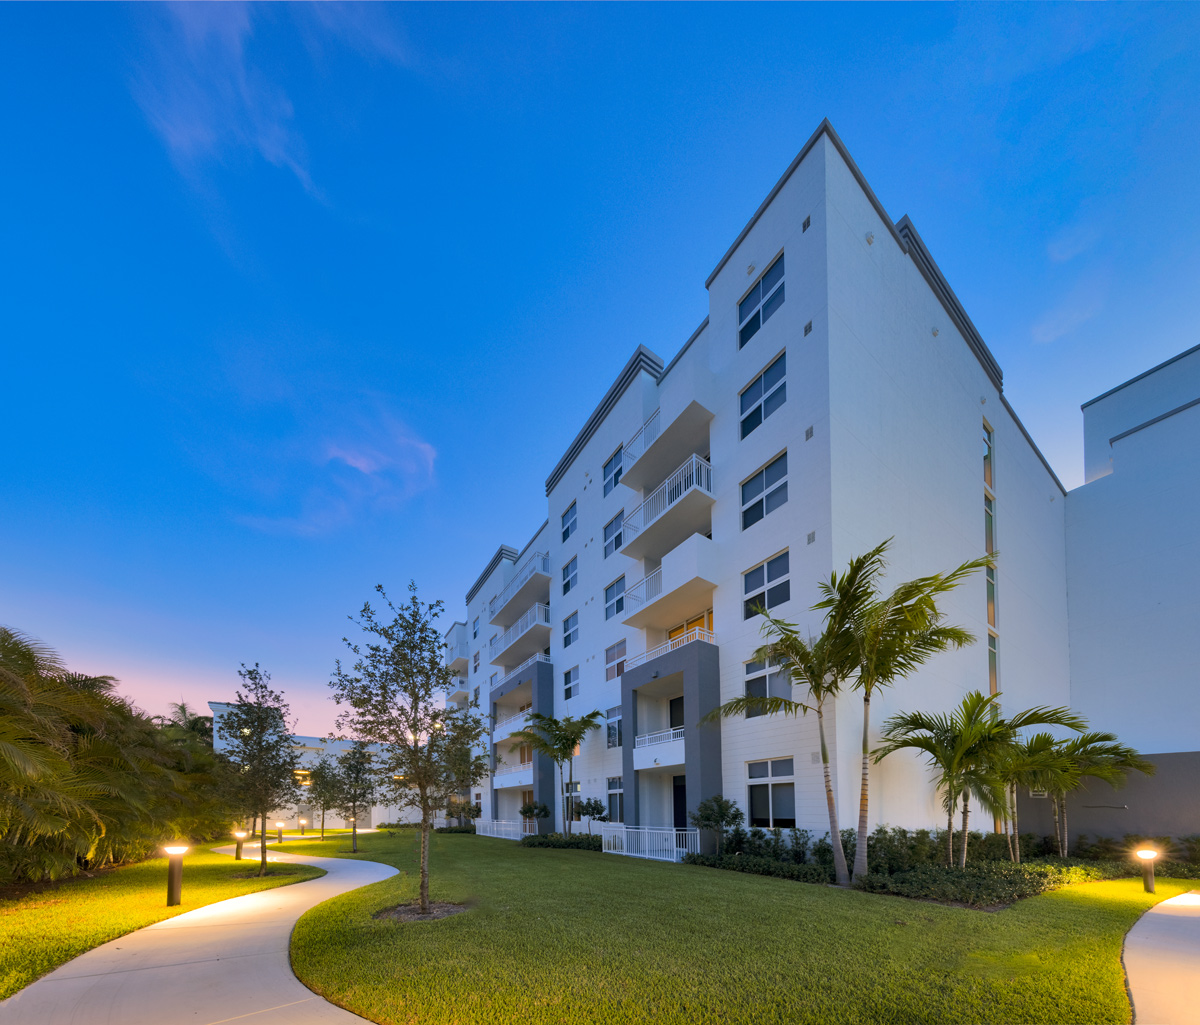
(425, 863)
(354, 829)
(966, 817)
(860, 851)
(1016, 825)
(262, 848)
(562, 796)
(1066, 844)
(841, 875)
(1057, 831)
(571, 798)
(322, 825)
(950, 832)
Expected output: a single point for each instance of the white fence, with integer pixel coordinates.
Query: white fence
(503, 829)
(538, 562)
(695, 473)
(661, 737)
(513, 722)
(508, 770)
(536, 615)
(695, 634)
(659, 843)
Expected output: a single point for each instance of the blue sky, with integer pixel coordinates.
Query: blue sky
(299, 299)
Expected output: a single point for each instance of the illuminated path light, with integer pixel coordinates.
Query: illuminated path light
(1148, 854)
(224, 962)
(1162, 962)
(175, 874)
(279, 832)
(240, 836)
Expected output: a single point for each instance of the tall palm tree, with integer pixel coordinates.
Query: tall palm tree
(1091, 756)
(894, 635)
(1035, 764)
(558, 740)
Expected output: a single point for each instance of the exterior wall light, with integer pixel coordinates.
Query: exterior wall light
(175, 874)
(1147, 854)
(240, 836)
(279, 832)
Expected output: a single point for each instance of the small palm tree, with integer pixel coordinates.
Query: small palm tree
(558, 740)
(1092, 756)
(1035, 764)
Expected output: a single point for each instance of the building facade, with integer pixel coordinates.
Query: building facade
(837, 394)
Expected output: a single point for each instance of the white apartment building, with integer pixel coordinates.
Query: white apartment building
(837, 394)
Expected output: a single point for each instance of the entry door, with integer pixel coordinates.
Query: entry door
(676, 712)
(680, 801)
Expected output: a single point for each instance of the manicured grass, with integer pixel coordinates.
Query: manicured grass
(576, 936)
(40, 931)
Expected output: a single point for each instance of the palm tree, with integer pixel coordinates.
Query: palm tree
(1035, 764)
(894, 635)
(558, 740)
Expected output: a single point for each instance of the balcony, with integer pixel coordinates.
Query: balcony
(539, 656)
(457, 655)
(530, 583)
(527, 636)
(697, 634)
(519, 775)
(658, 749)
(508, 726)
(679, 507)
(458, 689)
(674, 592)
(660, 445)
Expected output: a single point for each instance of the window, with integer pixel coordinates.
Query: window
(704, 621)
(475, 629)
(987, 454)
(766, 585)
(766, 680)
(476, 695)
(616, 799)
(612, 471)
(570, 629)
(991, 595)
(806, 225)
(492, 680)
(765, 492)
(614, 726)
(989, 525)
(612, 533)
(570, 574)
(772, 801)
(568, 522)
(476, 662)
(761, 302)
(614, 598)
(766, 393)
(614, 660)
(571, 683)
(993, 667)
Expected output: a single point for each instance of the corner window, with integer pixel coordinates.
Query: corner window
(616, 799)
(612, 471)
(772, 794)
(568, 522)
(570, 574)
(614, 660)
(765, 394)
(614, 726)
(761, 302)
(763, 680)
(987, 454)
(612, 533)
(571, 683)
(614, 598)
(766, 586)
(765, 492)
(475, 628)
(570, 629)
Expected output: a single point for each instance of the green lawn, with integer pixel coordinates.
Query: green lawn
(40, 931)
(576, 936)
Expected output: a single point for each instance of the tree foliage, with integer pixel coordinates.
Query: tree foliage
(559, 740)
(356, 785)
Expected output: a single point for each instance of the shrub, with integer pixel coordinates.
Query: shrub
(799, 841)
(455, 829)
(763, 867)
(576, 841)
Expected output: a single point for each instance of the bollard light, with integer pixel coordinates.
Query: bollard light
(303, 822)
(1147, 854)
(240, 835)
(175, 874)
(279, 832)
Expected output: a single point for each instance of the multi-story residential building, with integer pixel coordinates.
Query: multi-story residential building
(837, 394)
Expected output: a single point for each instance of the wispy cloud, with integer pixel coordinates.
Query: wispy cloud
(1080, 305)
(206, 99)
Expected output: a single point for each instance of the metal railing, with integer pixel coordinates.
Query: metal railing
(529, 827)
(657, 843)
(645, 590)
(646, 436)
(536, 615)
(539, 656)
(695, 634)
(538, 562)
(661, 737)
(508, 770)
(695, 473)
(456, 651)
(503, 829)
(521, 718)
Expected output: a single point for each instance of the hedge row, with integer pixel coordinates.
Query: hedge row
(576, 841)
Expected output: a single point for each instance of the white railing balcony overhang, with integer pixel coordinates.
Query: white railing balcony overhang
(508, 770)
(537, 656)
(511, 723)
(536, 615)
(538, 562)
(659, 737)
(645, 590)
(694, 474)
(695, 634)
(646, 435)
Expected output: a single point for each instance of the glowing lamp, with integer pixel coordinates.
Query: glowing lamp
(278, 825)
(240, 835)
(175, 851)
(175, 874)
(1147, 855)
(303, 823)
(279, 832)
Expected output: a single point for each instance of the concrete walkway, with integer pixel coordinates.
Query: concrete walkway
(1162, 962)
(227, 962)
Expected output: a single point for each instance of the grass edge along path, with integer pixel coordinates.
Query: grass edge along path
(42, 930)
(585, 937)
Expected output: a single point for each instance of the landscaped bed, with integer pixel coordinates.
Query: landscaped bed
(45, 926)
(571, 935)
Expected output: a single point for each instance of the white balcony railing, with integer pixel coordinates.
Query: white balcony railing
(645, 590)
(695, 634)
(538, 562)
(661, 737)
(538, 656)
(695, 473)
(456, 651)
(536, 615)
(654, 842)
(646, 436)
(503, 829)
(508, 770)
(528, 827)
(513, 722)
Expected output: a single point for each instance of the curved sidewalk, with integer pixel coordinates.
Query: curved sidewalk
(1162, 963)
(227, 962)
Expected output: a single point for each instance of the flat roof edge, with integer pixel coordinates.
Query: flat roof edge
(1144, 373)
(503, 552)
